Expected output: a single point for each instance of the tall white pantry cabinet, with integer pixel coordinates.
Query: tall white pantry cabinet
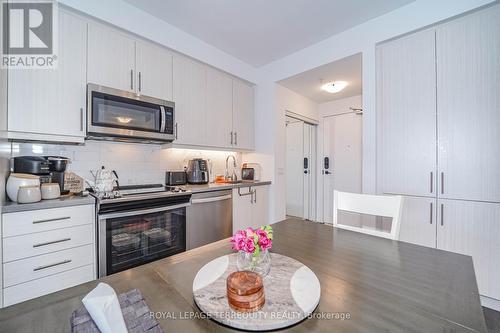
(438, 114)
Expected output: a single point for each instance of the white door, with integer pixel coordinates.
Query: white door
(219, 109)
(418, 221)
(243, 115)
(53, 101)
(189, 95)
(467, 227)
(111, 58)
(406, 104)
(154, 71)
(342, 145)
(295, 168)
(468, 81)
(309, 172)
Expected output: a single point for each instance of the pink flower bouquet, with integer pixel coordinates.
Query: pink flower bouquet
(253, 241)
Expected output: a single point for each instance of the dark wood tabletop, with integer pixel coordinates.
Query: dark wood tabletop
(368, 284)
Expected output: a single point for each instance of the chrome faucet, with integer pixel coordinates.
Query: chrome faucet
(233, 177)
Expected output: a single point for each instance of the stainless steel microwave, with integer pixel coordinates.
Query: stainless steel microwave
(119, 115)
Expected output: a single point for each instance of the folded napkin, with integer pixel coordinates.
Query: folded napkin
(104, 308)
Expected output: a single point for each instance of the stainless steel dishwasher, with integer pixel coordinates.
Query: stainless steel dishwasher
(209, 218)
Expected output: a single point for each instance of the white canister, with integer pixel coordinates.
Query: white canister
(29, 194)
(50, 191)
(17, 180)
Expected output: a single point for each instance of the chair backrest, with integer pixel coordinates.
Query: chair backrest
(377, 205)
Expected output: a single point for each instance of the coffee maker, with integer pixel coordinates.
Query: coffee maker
(57, 168)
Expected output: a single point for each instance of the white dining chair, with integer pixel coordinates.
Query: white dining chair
(375, 205)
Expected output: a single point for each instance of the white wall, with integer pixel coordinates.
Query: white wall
(361, 38)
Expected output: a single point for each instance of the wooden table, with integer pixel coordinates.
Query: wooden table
(382, 285)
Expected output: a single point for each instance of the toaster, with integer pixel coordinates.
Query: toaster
(175, 178)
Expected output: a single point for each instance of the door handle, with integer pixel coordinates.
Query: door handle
(431, 214)
(140, 82)
(81, 119)
(52, 220)
(442, 182)
(432, 181)
(442, 213)
(131, 79)
(236, 138)
(306, 172)
(176, 131)
(52, 265)
(327, 172)
(52, 242)
(231, 138)
(212, 199)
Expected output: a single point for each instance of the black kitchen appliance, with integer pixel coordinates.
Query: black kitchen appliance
(140, 224)
(34, 165)
(197, 171)
(57, 168)
(174, 178)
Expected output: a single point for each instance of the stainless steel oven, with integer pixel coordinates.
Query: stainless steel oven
(126, 116)
(135, 232)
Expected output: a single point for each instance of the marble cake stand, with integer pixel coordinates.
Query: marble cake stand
(291, 289)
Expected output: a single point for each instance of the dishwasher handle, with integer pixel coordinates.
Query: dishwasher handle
(212, 199)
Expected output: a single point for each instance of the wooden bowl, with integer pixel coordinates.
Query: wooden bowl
(245, 291)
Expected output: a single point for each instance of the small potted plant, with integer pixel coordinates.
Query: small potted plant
(253, 247)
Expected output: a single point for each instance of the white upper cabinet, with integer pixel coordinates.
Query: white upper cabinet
(111, 58)
(418, 221)
(189, 95)
(52, 103)
(468, 227)
(219, 109)
(406, 103)
(154, 71)
(243, 115)
(468, 98)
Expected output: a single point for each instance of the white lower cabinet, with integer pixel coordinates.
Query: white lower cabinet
(250, 207)
(49, 284)
(50, 250)
(418, 222)
(468, 227)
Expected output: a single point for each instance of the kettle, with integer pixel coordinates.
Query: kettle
(104, 180)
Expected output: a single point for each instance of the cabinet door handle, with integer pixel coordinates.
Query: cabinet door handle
(231, 138)
(52, 242)
(442, 213)
(81, 119)
(52, 220)
(254, 196)
(176, 131)
(52, 265)
(140, 82)
(432, 181)
(236, 138)
(131, 79)
(431, 214)
(442, 182)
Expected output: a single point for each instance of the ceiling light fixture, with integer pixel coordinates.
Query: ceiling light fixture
(334, 87)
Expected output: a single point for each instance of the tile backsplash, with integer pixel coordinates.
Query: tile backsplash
(134, 163)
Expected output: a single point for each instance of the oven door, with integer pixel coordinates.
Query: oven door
(116, 113)
(132, 238)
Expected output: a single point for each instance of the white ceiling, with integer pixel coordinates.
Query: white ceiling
(260, 31)
(308, 83)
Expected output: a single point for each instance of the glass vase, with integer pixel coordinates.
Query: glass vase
(260, 264)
